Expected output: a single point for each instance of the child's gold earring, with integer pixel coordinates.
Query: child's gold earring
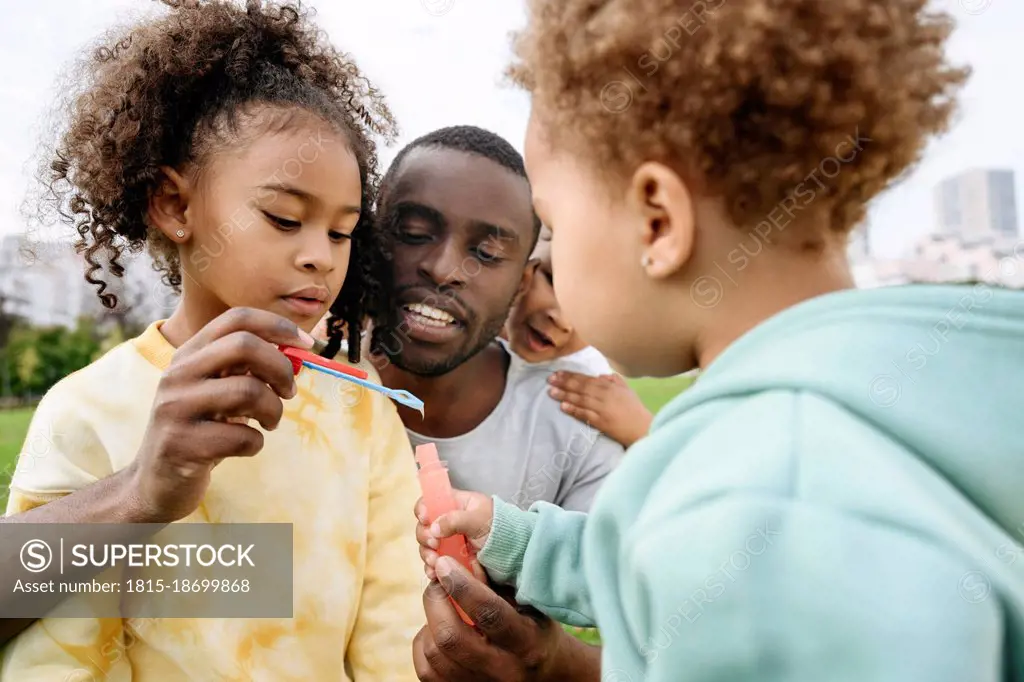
(646, 261)
(180, 234)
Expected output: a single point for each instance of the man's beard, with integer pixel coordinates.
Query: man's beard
(393, 343)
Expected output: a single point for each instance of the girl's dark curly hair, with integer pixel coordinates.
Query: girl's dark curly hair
(166, 91)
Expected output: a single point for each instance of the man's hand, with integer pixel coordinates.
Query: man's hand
(231, 371)
(606, 402)
(509, 643)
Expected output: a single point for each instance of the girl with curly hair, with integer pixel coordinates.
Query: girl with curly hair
(239, 147)
(836, 497)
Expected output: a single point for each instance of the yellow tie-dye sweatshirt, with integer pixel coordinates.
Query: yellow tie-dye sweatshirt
(339, 467)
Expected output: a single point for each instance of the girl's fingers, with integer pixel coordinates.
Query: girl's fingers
(244, 353)
(235, 396)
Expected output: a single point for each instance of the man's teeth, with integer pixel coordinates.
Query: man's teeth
(430, 315)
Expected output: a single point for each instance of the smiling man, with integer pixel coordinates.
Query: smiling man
(456, 204)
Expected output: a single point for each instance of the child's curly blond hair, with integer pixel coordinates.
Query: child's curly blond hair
(752, 98)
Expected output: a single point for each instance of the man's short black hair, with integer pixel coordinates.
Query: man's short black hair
(473, 140)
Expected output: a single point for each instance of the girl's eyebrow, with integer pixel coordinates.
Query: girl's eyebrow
(305, 196)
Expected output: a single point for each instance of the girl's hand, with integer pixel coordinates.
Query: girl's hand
(606, 402)
(472, 519)
(231, 371)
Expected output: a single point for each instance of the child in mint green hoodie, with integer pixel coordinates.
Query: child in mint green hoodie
(841, 495)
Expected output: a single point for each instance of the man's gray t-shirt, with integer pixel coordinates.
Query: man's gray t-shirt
(527, 449)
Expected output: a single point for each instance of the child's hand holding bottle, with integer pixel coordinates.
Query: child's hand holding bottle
(472, 518)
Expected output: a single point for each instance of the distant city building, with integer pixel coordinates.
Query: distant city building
(995, 260)
(859, 248)
(977, 204)
(44, 283)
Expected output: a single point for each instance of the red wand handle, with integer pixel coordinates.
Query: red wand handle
(299, 356)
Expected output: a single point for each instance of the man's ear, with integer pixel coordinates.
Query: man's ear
(667, 219)
(168, 206)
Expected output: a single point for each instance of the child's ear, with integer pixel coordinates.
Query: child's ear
(668, 222)
(168, 206)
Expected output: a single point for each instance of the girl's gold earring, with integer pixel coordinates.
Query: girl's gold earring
(646, 262)
(180, 234)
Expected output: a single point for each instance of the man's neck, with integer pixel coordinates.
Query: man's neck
(457, 402)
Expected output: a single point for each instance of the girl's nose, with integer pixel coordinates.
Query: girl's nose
(316, 254)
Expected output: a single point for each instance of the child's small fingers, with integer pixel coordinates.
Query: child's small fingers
(558, 379)
(420, 511)
(581, 413)
(569, 381)
(424, 538)
(478, 571)
(561, 394)
(430, 572)
(564, 396)
(428, 556)
(465, 497)
(592, 399)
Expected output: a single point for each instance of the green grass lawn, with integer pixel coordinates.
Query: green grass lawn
(13, 426)
(656, 392)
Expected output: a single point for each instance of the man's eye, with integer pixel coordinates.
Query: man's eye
(413, 237)
(283, 223)
(487, 256)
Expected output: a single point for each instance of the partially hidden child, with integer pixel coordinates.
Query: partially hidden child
(582, 381)
(838, 497)
(240, 148)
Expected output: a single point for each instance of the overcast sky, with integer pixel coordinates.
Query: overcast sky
(440, 62)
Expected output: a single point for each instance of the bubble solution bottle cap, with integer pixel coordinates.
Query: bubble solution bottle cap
(439, 499)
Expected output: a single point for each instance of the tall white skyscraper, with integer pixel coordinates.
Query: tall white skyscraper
(978, 204)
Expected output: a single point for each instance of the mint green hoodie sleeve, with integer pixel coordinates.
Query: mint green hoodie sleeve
(539, 553)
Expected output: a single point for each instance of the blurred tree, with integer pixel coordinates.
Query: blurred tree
(38, 357)
(8, 318)
(28, 365)
(8, 321)
(111, 339)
